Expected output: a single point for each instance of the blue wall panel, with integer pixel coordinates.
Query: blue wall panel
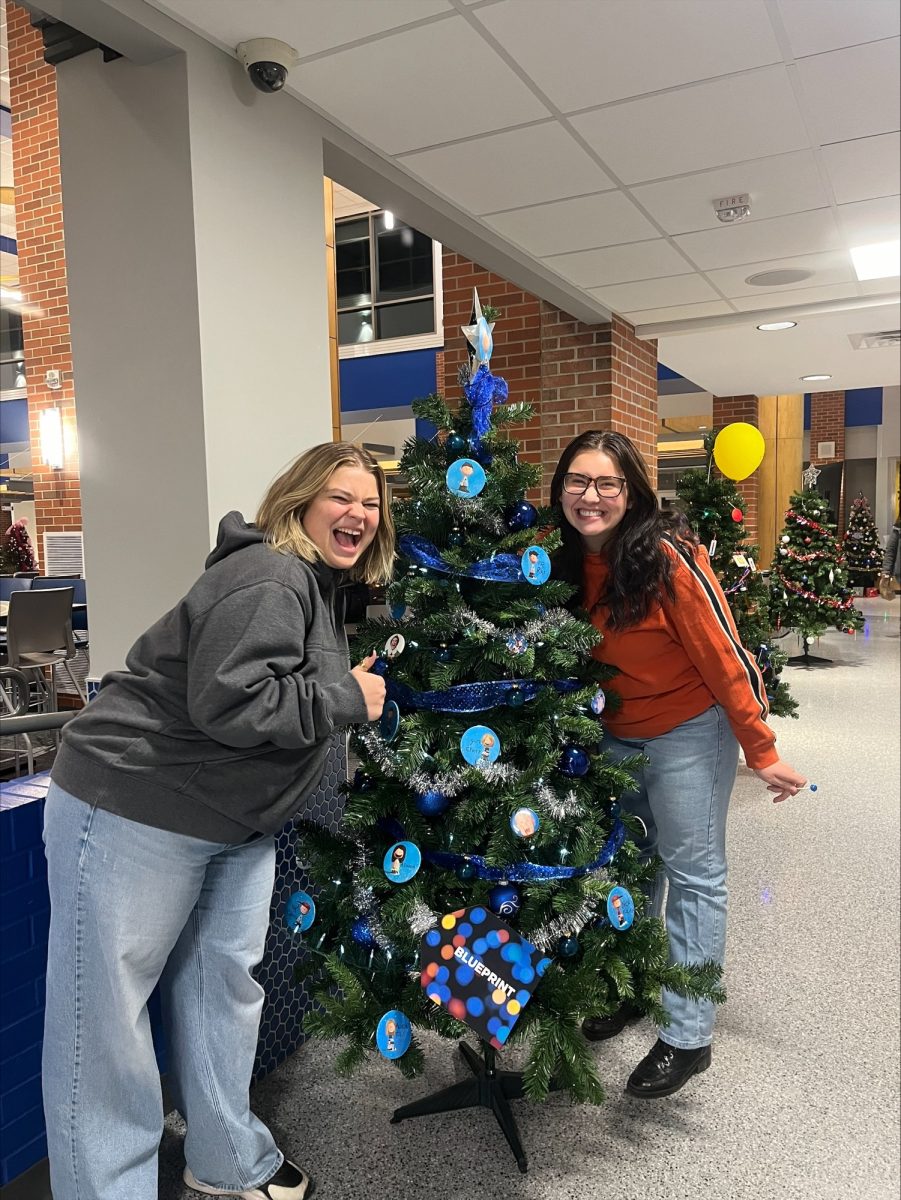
(386, 380)
(863, 406)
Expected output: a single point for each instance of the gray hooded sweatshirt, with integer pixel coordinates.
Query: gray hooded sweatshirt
(220, 725)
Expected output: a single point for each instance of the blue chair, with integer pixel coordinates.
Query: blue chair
(10, 584)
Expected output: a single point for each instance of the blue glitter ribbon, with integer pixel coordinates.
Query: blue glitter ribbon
(526, 872)
(473, 697)
(484, 391)
(502, 568)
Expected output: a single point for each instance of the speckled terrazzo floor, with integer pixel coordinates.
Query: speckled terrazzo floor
(802, 1098)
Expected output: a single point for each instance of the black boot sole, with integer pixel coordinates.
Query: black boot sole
(671, 1089)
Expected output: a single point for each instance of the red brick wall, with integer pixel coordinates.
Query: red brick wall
(576, 376)
(42, 268)
(726, 410)
(827, 424)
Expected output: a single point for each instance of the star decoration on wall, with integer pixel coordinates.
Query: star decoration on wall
(810, 476)
(479, 332)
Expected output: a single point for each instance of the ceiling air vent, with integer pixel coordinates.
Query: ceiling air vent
(885, 338)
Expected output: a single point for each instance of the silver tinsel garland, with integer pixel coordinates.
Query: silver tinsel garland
(422, 919)
(546, 936)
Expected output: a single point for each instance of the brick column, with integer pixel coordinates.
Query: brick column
(42, 269)
(827, 424)
(726, 410)
(577, 376)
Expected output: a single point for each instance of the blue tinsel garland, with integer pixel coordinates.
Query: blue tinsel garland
(525, 872)
(473, 697)
(502, 568)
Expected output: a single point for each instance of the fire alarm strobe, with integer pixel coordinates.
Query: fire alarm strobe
(732, 208)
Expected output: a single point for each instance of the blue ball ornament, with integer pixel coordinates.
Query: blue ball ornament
(362, 782)
(455, 539)
(444, 654)
(574, 761)
(380, 667)
(568, 946)
(480, 454)
(455, 445)
(466, 872)
(515, 698)
(431, 803)
(520, 516)
(362, 934)
(504, 900)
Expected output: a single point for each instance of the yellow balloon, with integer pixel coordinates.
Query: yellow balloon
(738, 450)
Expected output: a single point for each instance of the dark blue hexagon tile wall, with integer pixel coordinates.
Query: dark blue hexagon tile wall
(287, 1001)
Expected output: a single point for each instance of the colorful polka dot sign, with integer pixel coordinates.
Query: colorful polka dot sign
(482, 971)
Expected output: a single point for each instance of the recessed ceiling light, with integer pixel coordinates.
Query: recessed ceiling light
(777, 278)
(814, 378)
(769, 326)
(877, 261)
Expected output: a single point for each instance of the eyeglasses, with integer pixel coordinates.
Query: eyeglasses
(606, 486)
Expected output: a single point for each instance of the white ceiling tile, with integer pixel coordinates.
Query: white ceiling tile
(660, 293)
(791, 299)
(589, 53)
(619, 264)
(864, 168)
(678, 312)
(386, 90)
(832, 24)
(505, 170)
(880, 287)
(725, 121)
(852, 93)
(584, 222)
(742, 360)
(309, 28)
(834, 267)
(869, 221)
(786, 183)
(755, 241)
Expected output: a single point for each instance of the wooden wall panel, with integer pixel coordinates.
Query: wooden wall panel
(781, 421)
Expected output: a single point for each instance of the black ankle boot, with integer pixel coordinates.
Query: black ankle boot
(665, 1069)
(598, 1029)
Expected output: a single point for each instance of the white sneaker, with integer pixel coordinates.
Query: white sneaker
(288, 1183)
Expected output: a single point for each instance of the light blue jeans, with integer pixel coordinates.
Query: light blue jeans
(683, 796)
(132, 905)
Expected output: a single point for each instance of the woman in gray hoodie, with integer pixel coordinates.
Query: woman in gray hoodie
(160, 826)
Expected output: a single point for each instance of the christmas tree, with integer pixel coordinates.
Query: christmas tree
(18, 548)
(715, 510)
(862, 545)
(809, 590)
(483, 820)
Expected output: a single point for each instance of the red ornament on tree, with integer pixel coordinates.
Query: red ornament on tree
(737, 514)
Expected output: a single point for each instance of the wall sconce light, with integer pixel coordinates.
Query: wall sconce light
(51, 429)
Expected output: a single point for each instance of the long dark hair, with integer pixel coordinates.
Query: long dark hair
(640, 569)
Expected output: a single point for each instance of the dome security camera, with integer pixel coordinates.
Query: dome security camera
(267, 61)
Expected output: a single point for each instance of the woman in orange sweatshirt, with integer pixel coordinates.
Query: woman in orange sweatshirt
(691, 694)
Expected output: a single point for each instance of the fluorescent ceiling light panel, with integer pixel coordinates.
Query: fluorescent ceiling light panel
(877, 261)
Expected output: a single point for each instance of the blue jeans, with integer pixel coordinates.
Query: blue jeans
(682, 796)
(132, 905)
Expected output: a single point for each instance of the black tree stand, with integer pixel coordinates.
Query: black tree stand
(807, 659)
(490, 1088)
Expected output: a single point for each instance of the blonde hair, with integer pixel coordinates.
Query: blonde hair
(288, 498)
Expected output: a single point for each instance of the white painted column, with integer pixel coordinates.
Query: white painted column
(193, 211)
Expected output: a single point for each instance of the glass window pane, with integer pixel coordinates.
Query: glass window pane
(352, 230)
(404, 263)
(352, 274)
(355, 327)
(402, 320)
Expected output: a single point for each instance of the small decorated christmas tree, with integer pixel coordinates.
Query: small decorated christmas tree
(862, 545)
(809, 588)
(483, 883)
(18, 548)
(715, 510)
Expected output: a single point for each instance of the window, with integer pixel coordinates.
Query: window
(385, 280)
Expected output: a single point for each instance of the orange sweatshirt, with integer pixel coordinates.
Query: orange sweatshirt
(682, 658)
